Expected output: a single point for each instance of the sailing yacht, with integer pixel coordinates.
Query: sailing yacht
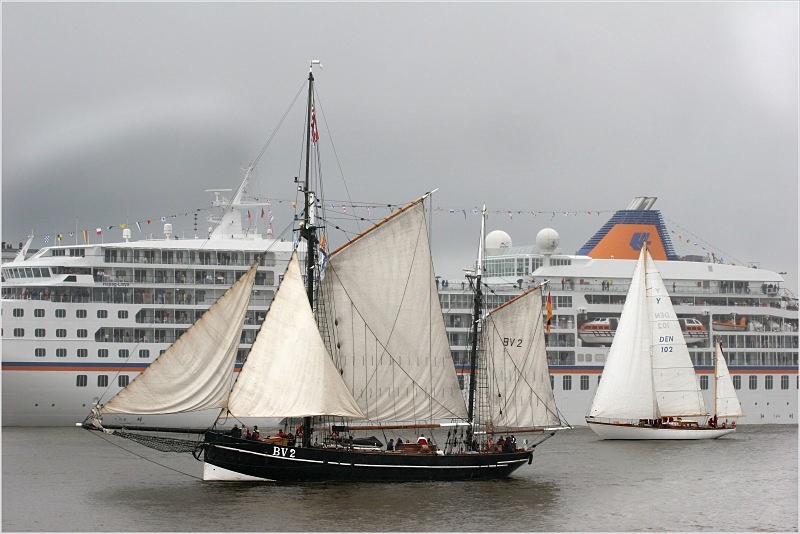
(353, 342)
(649, 389)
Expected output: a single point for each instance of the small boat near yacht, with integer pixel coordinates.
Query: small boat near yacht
(649, 388)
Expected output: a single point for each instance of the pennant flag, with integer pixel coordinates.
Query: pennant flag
(163, 219)
(99, 231)
(249, 217)
(46, 239)
(139, 225)
(123, 225)
(60, 237)
(314, 132)
(86, 237)
(549, 312)
(72, 234)
(262, 213)
(323, 256)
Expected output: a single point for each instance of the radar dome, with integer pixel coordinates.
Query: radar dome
(496, 242)
(547, 240)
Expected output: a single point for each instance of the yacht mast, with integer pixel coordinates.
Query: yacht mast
(476, 315)
(308, 229)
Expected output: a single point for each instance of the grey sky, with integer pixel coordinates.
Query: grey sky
(131, 110)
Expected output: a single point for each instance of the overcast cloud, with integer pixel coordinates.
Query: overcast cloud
(115, 112)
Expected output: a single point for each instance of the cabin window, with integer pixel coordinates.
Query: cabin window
(80, 314)
(102, 314)
(784, 381)
(144, 353)
(39, 332)
(123, 353)
(704, 382)
(61, 332)
(83, 353)
(123, 380)
(82, 381)
(61, 353)
(599, 357)
(737, 382)
(38, 312)
(102, 381)
(566, 382)
(39, 353)
(82, 332)
(19, 332)
(753, 382)
(768, 382)
(584, 382)
(18, 312)
(102, 353)
(61, 313)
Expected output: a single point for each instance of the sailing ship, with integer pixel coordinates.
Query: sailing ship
(649, 389)
(354, 342)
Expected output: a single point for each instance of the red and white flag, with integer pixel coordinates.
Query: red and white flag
(314, 132)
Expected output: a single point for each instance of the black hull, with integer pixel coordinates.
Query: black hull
(236, 459)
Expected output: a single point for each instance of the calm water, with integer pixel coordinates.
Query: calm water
(68, 479)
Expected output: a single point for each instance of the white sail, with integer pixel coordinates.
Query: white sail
(674, 379)
(626, 388)
(383, 312)
(519, 379)
(194, 373)
(727, 401)
(288, 371)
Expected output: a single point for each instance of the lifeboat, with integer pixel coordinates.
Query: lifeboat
(731, 325)
(693, 331)
(598, 331)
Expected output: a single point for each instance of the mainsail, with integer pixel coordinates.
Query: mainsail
(195, 373)
(388, 330)
(518, 376)
(628, 367)
(288, 371)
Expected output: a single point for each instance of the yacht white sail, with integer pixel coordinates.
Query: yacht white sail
(648, 388)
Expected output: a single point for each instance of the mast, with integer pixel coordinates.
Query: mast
(476, 314)
(308, 229)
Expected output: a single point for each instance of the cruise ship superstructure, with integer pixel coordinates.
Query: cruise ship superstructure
(81, 321)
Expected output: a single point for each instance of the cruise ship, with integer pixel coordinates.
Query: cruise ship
(745, 306)
(81, 321)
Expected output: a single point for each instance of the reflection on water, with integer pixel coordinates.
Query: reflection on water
(747, 481)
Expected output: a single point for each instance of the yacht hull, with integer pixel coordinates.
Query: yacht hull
(637, 432)
(231, 459)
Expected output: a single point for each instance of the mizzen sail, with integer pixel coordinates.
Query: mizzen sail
(519, 379)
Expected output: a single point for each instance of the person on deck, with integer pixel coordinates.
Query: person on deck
(390, 445)
(282, 434)
(422, 440)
